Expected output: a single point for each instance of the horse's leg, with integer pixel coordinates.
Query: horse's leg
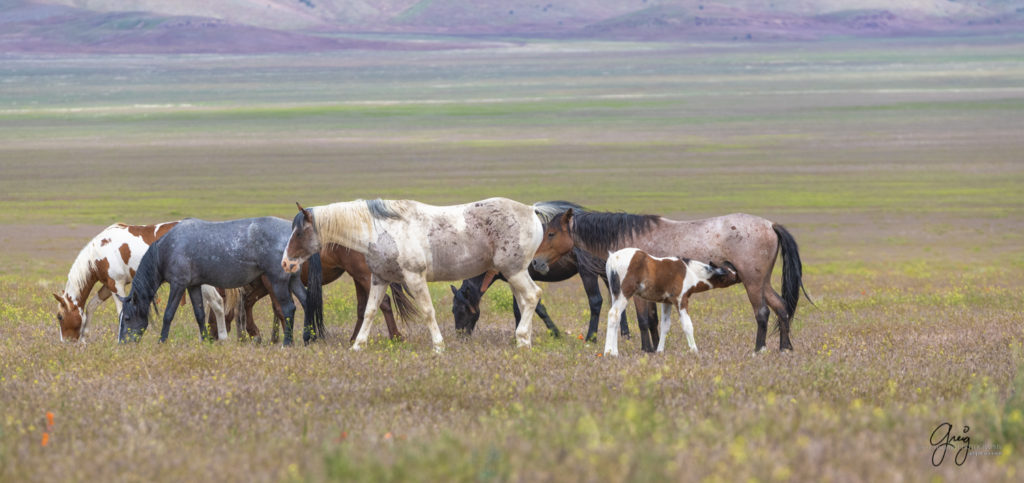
(643, 316)
(666, 322)
(528, 294)
(611, 339)
(420, 293)
(377, 290)
(515, 310)
(282, 292)
(776, 303)
(541, 311)
(195, 294)
(389, 317)
(652, 323)
(755, 292)
(212, 297)
(684, 319)
(362, 295)
(177, 292)
(594, 298)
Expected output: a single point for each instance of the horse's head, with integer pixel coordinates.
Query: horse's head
(303, 243)
(466, 306)
(556, 243)
(712, 276)
(70, 320)
(134, 318)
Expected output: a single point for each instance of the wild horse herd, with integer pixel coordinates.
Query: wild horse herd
(402, 244)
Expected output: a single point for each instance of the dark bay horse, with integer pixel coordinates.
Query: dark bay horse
(336, 260)
(751, 244)
(466, 300)
(228, 254)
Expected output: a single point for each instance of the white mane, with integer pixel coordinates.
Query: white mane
(78, 276)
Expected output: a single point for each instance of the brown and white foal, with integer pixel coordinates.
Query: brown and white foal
(668, 281)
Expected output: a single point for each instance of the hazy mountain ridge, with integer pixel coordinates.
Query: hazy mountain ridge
(245, 26)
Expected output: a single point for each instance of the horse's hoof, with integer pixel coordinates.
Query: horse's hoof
(356, 348)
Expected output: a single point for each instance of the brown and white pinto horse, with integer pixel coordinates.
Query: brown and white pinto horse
(750, 243)
(111, 259)
(667, 281)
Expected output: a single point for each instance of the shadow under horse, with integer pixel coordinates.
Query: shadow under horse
(227, 254)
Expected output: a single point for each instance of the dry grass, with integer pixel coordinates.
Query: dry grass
(906, 204)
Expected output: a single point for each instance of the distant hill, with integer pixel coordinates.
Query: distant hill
(312, 25)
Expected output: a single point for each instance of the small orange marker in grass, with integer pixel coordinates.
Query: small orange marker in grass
(46, 439)
(49, 420)
(387, 435)
(580, 337)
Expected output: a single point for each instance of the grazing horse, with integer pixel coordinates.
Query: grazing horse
(466, 300)
(667, 281)
(412, 243)
(336, 260)
(226, 254)
(751, 244)
(111, 259)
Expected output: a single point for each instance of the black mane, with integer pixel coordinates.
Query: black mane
(602, 231)
(380, 209)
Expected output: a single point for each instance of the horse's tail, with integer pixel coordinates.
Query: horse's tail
(315, 298)
(792, 270)
(405, 303)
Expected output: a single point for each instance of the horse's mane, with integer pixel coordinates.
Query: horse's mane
(547, 210)
(602, 231)
(388, 209)
(78, 275)
(334, 221)
(147, 280)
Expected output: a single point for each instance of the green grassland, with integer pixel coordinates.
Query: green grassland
(896, 164)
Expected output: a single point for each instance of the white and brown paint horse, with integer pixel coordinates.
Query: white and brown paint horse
(413, 243)
(750, 243)
(668, 281)
(111, 259)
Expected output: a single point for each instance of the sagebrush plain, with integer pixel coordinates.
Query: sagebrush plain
(896, 164)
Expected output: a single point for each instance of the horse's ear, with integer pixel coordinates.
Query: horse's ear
(305, 213)
(567, 216)
(122, 299)
(59, 299)
(455, 291)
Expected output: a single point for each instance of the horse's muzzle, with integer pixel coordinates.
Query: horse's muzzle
(289, 265)
(540, 266)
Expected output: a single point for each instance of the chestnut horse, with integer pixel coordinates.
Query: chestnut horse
(750, 243)
(413, 243)
(667, 281)
(111, 259)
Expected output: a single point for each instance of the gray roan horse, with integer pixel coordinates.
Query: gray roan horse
(225, 254)
(749, 243)
(413, 243)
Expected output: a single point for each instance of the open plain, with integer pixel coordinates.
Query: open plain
(896, 164)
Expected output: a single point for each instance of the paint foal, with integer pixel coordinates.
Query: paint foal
(667, 281)
(111, 259)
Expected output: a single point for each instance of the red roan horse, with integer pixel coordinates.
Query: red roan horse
(749, 243)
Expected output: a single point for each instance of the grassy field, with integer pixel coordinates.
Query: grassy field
(895, 164)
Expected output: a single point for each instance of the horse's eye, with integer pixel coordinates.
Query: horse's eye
(60, 317)
(551, 235)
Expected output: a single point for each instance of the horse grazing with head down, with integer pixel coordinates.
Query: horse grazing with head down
(667, 281)
(412, 243)
(750, 243)
(111, 259)
(226, 254)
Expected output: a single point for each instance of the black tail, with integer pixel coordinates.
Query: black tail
(613, 281)
(404, 302)
(315, 299)
(792, 270)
